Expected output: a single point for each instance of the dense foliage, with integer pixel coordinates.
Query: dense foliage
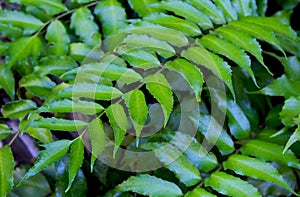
(153, 98)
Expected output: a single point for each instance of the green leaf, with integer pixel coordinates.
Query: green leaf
(97, 137)
(141, 6)
(242, 7)
(79, 51)
(51, 7)
(119, 122)
(66, 105)
(138, 110)
(144, 42)
(231, 186)
(18, 109)
(82, 21)
(76, 159)
(18, 19)
(20, 50)
(199, 192)
(210, 9)
(10, 32)
(174, 37)
(6, 170)
(150, 186)
(112, 16)
(290, 110)
(170, 156)
(89, 90)
(270, 152)
(41, 134)
(228, 9)
(222, 47)
(7, 81)
(54, 65)
(212, 62)
(190, 73)
(215, 134)
(295, 137)
(53, 152)
(58, 124)
(5, 131)
(255, 168)
(160, 89)
(185, 10)
(58, 39)
(185, 26)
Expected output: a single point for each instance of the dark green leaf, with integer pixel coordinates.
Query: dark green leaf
(7, 81)
(6, 170)
(18, 109)
(141, 6)
(295, 137)
(58, 124)
(290, 111)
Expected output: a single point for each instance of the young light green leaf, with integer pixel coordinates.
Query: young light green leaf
(210, 9)
(18, 109)
(150, 186)
(41, 134)
(58, 124)
(185, 10)
(161, 90)
(138, 110)
(20, 50)
(119, 122)
(58, 39)
(290, 110)
(255, 168)
(141, 6)
(6, 170)
(5, 131)
(295, 137)
(229, 50)
(97, 137)
(199, 192)
(148, 43)
(270, 152)
(18, 19)
(228, 10)
(7, 81)
(79, 51)
(170, 156)
(243, 7)
(231, 186)
(190, 73)
(53, 152)
(67, 105)
(76, 159)
(89, 90)
(82, 21)
(112, 16)
(212, 62)
(185, 26)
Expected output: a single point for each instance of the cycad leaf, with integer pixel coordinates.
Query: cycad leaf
(58, 124)
(7, 81)
(53, 152)
(185, 26)
(66, 105)
(21, 49)
(255, 168)
(210, 9)
(76, 159)
(119, 123)
(243, 7)
(290, 110)
(229, 50)
(97, 137)
(141, 6)
(211, 61)
(6, 170)
(227, 8)
(112, 16)
(171, 36)
(18, 109)
(82, 21)
(138, 110)
(170, 156)
(187, 11)
(58, 39)
(151, 44)
(161, 90)
(191, 74)
(89, 90)
(231, 186)
(150, 186)
(18, 19)
(270, 152)
(199, 192)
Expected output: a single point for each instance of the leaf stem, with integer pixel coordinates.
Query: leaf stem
(14, 138)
